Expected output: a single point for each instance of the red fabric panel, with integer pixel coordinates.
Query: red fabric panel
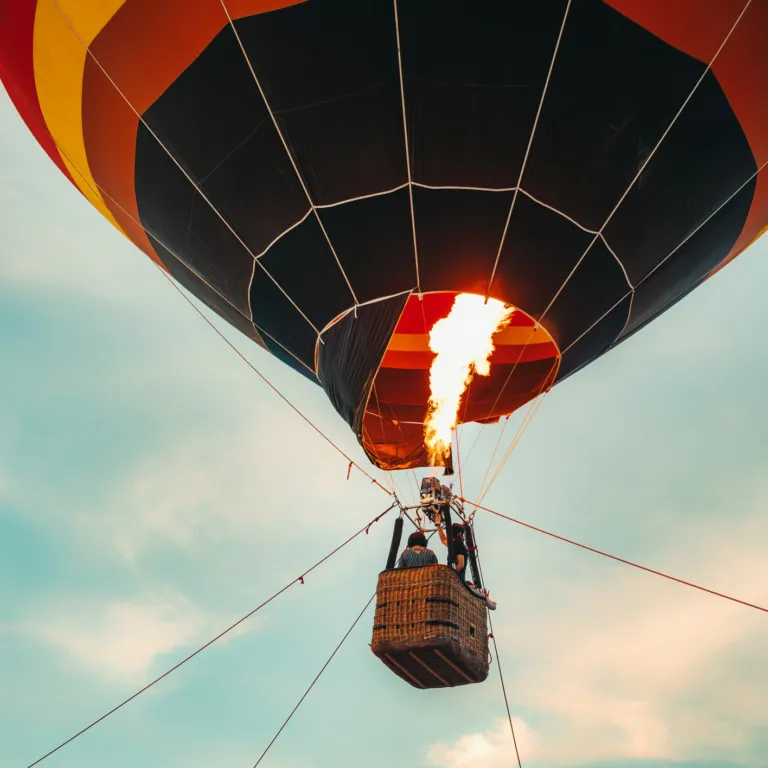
(17, 25)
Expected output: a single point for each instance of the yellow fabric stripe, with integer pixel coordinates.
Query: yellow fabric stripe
(515, 335)
(755, 238)
(59, 64)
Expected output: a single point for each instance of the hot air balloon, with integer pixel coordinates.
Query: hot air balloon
(330, 175)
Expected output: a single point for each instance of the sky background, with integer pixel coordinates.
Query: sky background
(153, 490)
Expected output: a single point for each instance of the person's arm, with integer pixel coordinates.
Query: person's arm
(432, 557)
(443, 537)
(400, 563)
(459, 562)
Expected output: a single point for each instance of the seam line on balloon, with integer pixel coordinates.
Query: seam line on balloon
(362, 197)
(626, 322)
(618, 260)
(599, 320)
(279, 237)
(693, 232)
(462, 187)
(343, 314)
(637, 176)
(677, 248)
(551, 208)
(558, 212)
(95, 186)
(648, 159)
(528, 148)
(407, 147)
(658, 266)
(287, 150)
(222, 218)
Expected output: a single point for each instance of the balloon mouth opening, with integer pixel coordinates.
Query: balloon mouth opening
(510, 359)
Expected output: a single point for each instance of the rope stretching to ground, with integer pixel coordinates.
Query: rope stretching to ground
(492, 636)
(504, 690)
(325, 437)
(312, 684)
(297, 580)
(620, 559)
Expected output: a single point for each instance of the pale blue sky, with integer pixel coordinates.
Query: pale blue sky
(152, 490)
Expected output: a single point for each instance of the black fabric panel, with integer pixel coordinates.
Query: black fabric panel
(289, 360)
(350, 357)
(593, 289)
(703, 160)
(211, 299)
(173, 211)
(349, 147)
(539, 251)
(373, 239)
(692, 262)
(216, 125)
(596, 341)
(473, 75)
(183, 275)
(458, 234)
(303, 264)
(614, 90)
(210, 108)
(629, 335)
(278, 317)
(474, 70)
(330, 74)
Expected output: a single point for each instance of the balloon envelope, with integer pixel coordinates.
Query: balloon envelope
(327, 175)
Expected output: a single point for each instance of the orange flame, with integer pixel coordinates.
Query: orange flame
(462, 343)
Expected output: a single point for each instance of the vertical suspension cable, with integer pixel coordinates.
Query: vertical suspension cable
(492, 636)
(312, 684)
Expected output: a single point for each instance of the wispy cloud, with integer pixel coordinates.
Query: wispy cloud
(122, 641)
(632, 667)
(209, 484)
(492, 749)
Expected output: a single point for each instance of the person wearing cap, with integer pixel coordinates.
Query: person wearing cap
(459, 548)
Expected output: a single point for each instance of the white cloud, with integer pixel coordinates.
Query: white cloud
(122, 640)
(71, 239)
(492, 749)
(630, 666)
(222, 484)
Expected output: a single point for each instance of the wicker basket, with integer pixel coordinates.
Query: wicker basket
(429, 629)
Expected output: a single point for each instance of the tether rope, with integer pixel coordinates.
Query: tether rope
(297, 580)
(317, 429)
(312, 684)
(492, 636)
(619, 559)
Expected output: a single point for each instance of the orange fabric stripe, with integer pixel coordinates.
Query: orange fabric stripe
(511, 335)
(745, 89)
(740, 69)
(144, 48)
(401, 445)
(416, 360)
(402, 382)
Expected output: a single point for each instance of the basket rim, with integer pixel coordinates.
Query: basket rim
(436, 565)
